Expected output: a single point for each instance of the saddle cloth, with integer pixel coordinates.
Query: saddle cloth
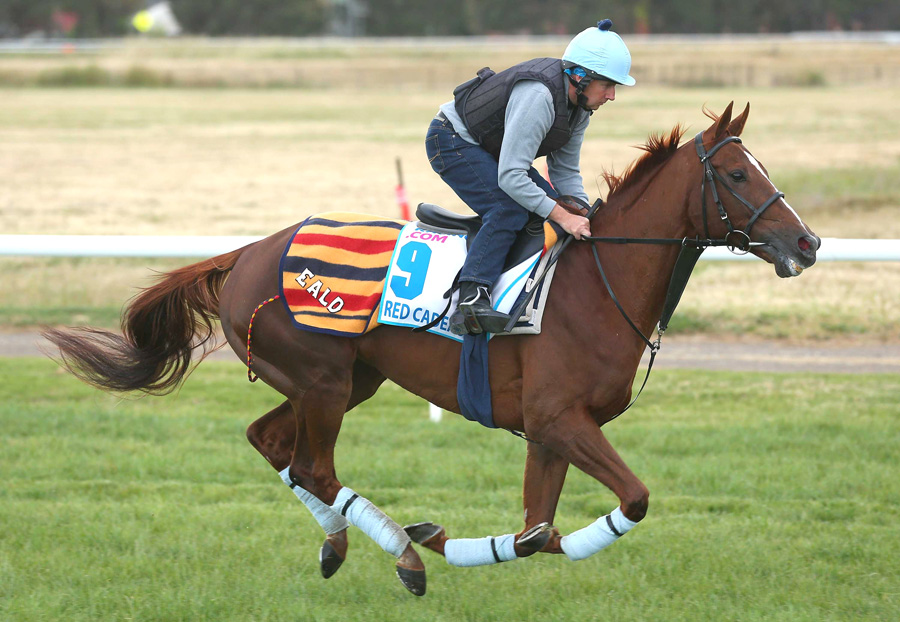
(424, 265)
(333, 269)
(344, 274)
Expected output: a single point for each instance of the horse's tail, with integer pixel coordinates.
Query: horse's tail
(161, 327)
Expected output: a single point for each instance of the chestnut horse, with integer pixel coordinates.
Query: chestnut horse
(558, 387)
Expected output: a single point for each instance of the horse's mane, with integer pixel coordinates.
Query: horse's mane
(659, 148)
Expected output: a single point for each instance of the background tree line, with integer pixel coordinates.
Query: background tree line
(463, 17)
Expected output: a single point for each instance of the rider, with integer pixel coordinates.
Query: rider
(484, 141)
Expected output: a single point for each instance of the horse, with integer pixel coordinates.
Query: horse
(558, 388)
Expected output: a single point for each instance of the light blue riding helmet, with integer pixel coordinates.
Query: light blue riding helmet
(601, 52)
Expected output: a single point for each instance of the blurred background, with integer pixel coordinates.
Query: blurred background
(380, 18)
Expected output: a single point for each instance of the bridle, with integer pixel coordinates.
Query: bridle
(737, 240)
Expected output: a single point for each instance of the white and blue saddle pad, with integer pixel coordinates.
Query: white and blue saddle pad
(422, 268)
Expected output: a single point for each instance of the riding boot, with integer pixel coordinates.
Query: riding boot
(474, 314)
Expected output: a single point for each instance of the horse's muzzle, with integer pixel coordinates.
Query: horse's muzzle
(790, 255)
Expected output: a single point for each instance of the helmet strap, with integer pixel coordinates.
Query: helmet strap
(580, 85)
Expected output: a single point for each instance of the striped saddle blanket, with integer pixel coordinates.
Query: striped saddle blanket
(335, 267)
(333, 271)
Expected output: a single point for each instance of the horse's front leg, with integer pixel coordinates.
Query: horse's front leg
(545, 473)
(576, 437)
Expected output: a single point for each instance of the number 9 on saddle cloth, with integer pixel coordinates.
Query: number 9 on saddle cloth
(420, 287)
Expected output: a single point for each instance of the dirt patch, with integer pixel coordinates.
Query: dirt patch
(765, 356)
(676, 353)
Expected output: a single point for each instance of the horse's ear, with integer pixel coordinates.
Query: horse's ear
(724, 120)
(737, 126)
(717, 130)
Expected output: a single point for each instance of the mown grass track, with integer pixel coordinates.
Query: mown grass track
(772, 498)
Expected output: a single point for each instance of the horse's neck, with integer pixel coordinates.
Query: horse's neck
(657, 207)
(640, 274)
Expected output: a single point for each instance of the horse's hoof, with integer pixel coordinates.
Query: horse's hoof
(535, 538)
(329, 560)
(420, 533)
(413, 580)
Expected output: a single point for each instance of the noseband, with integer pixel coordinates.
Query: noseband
(738, 240)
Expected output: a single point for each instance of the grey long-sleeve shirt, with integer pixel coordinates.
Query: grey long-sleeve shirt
(529, 116)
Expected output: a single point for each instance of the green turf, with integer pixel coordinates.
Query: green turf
(773, 497)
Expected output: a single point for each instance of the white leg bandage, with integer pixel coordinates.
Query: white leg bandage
(373, 522)
(480, 551)
(596, 536)
(331, 521)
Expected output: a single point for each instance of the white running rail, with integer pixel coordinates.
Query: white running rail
(833, 249)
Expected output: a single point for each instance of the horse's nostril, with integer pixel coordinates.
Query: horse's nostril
(804, 244)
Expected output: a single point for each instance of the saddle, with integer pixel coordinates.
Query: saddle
(530, 240)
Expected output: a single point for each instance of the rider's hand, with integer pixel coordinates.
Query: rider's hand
(576, 225)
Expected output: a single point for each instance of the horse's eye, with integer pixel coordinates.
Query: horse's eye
(738, 176)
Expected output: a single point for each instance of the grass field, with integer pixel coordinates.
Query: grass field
(772, 498)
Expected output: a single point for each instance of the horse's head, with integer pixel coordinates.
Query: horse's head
(741, 203)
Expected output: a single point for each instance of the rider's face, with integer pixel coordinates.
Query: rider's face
(597, 92)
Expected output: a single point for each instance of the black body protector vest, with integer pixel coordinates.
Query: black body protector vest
(481, 103)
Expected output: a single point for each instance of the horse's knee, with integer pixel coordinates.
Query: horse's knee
(636, 503)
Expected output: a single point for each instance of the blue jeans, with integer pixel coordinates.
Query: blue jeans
(472, 173)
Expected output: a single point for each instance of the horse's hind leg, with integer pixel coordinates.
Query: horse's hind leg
(315, 372)
(274, 436)
(322, 370)
(323, 408)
